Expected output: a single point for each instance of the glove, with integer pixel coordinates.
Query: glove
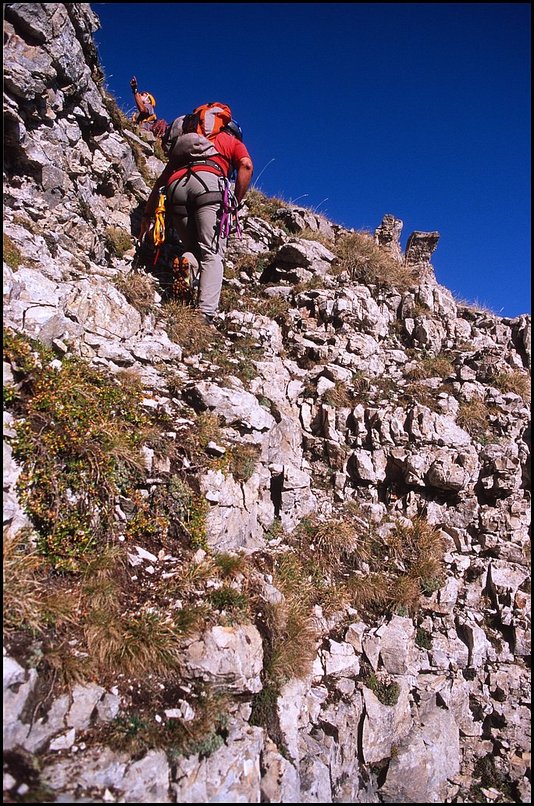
(133, 84)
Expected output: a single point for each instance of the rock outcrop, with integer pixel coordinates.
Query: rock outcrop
(398, 403)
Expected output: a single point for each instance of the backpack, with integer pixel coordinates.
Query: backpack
(210, 118)
(188, 138)
(159, 127)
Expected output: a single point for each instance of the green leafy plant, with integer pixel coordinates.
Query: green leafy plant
(387, 692)
(229, 599)
(423, 638)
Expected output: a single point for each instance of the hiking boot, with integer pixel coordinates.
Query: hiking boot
(181, 285)
(208, 319)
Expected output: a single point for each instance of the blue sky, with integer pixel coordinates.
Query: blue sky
(356, 110)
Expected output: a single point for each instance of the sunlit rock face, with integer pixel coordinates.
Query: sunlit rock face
(387, 413)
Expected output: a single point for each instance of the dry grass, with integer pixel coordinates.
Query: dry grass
(370, 593)
(123, 637)
(417, 550)
(230, 566)
(11, 252)
(313, 235)
(242, 460)
(292, 645)
(258, 204)
(208, 428)
(134, 643)
(289, 628)
(364, 261)
(23, 584)
(432, 366)
(30, 600)
(346, 561)
(423, 394)
(337, 546)
(139, 289)
(515, 381)
(473, 416)
(339, 396)
(186, 327)
(474, 305)
(334, 544)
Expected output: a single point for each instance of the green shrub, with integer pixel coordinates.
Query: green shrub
(12, 254)
(387, 693)
(79, 433)
(118, 241)
(423, 638)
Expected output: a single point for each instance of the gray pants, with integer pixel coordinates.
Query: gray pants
(194, 204)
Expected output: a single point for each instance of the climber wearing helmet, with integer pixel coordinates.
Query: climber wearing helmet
(145, 103)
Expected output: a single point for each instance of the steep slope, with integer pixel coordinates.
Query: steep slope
(282, 561)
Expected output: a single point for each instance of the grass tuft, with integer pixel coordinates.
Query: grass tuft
(364, 261)
(186, 327)
(139, 290)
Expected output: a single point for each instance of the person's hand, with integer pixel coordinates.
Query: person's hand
(133, 84)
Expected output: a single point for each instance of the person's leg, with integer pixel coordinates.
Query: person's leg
(211, 248)
(183, 223)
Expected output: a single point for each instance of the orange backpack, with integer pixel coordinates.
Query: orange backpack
(188, 140)
(211, 118)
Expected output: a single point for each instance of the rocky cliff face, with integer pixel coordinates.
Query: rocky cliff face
(321, 557)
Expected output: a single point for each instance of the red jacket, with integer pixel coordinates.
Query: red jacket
(230, 147)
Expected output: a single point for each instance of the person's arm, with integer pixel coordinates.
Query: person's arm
(140, 103)
(244, 175)
(137, 96)
(152, 201)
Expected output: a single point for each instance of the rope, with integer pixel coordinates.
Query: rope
(159, 223)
